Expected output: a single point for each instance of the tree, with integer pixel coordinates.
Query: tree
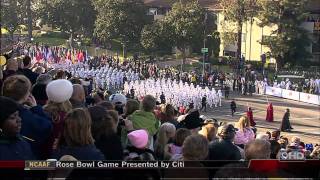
(72, 16)
(155, 38)
(237, 12)
(289, 42)
(122, 20)
(10, 15)
(183, 23)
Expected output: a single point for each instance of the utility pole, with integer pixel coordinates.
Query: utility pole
(29, 15)
(204, 45)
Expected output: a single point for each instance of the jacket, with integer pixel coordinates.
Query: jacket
(15, 149)
(37, 126)
(32, 76)
(110, 146)
(39, 93)
(88, 152)
(223, 150)
(145, 120)
(243, 137)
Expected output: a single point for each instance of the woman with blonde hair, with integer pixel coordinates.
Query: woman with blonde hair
(77, 139)
(58, 105)
(209, 131)
(244, 134)
(166, 132)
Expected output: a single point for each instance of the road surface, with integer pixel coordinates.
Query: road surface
(305, 118)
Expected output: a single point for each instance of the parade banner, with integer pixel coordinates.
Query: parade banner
(294, 95)
(288, 94)
(273, 91)
(310, 98)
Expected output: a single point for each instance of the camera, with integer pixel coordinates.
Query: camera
(121, 122)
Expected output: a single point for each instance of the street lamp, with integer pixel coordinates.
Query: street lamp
(184, 33)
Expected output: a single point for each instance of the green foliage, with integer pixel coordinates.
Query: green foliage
(289, 42)
(237, 12)
(11, 15)
(50, 41)
(155, 39)
(185, 23)
(73, 16)
(121, 20)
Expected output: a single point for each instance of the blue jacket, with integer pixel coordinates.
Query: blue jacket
(37, 126)
(88, 152)
(32, 76)
(15, 149)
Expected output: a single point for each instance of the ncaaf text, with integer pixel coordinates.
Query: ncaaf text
(40, 165)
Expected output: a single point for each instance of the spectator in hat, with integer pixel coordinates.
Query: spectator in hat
(59, 92)
(119, 101)
(13, 146)
(138, 148)
(36, 125)
(39, 89)
(32, 76)
(78, 97)
(77, 139)
(145, 118)
(104, 131)
(192, 121)
(224, 149)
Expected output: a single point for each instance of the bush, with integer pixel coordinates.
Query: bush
(56, 34)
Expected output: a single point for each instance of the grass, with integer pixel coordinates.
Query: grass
(50, 41)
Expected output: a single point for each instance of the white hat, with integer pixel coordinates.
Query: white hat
(118, 98)
(59, 90)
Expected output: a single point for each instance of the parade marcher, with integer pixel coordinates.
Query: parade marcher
(233, 107)
(269, 117)
(226, 91)
(204, 103)
(250, 116)
(162, 98)
(285, 123)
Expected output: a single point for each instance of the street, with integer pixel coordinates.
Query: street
(305, 118)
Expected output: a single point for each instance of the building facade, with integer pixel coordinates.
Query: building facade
(252, 34)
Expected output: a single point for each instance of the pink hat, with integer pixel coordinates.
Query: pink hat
(138, 138)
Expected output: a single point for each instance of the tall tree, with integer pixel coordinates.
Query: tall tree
(10, 15)
(289, 42)
(185, 22)
(238, 12)
(122, 20)
(155, 38)
(72, 16)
